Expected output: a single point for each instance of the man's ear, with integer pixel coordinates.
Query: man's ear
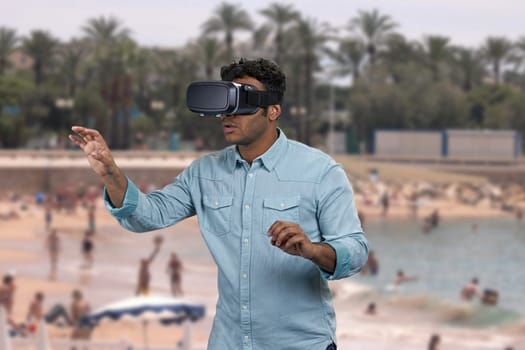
(274, 111)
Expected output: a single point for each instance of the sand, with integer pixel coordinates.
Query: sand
(22, 250)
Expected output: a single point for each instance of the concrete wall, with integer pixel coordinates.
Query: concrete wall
(30, 180)
(482, 144)
(32, 171)
(399, 143)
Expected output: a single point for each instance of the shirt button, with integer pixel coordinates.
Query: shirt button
(247, 206)
(246, 240)
(246, 337)
(250, 175)
(216, 203)
(244, 275)
(244, 307)
(282, 205)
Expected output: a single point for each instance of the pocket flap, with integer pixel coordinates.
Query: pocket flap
(215, 202)
(282, 203)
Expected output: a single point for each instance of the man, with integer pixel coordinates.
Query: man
(53, 246)
(174, 270)
(144, 276)
(35, 312)
(7, 293)
(278, 217)
(471, 290)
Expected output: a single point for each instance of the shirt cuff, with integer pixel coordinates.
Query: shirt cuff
(129, 204)
(342, 261)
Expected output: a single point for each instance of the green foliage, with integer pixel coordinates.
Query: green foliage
(483, 98)
(13, 90)
(395, 82)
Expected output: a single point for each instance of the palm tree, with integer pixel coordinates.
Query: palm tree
(8, 41)
(110, 42)
(208, 50)
(105, 30)
(436, 51)
(72, 55)
(41, 46)
(497, 50)
(280, 16)
(228, 18)
(349, 57)
(374, 27)
(311, 38)
(468, 62)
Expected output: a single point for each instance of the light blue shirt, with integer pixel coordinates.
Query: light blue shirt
(268, 299)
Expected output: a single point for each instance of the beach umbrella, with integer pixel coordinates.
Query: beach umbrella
(5, 342)
(146, 308)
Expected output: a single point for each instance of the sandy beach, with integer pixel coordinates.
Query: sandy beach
(400, 324)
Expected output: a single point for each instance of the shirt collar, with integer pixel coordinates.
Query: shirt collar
(268, 159)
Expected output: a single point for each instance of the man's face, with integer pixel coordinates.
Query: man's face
(245, 129)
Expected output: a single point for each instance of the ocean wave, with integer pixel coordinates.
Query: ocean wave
(430, 307)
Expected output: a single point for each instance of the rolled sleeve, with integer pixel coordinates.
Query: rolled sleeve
(350, 257)
(129, 204)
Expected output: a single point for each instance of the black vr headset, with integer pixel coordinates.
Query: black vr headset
(217, 98)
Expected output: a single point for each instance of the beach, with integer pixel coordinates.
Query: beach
(403, 321)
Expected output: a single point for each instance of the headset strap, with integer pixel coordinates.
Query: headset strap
(263, 98)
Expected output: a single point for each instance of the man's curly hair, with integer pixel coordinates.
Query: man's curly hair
(266, 71)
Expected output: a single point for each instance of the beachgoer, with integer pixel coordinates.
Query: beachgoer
(278, 216)
(144, 276)
(91, 218)
(74, 317)
(385, 203)
(7, 293)
(174, 270)
(87, 249)
(48, 214)
(35, 312)
(371, 309)
(79, 309)
(402, 278)
(471, 290)
(7, 298)
(431, 221)
(53, 247)
(433, 343)
(371, 265)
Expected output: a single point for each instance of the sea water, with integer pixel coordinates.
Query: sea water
(448, 257)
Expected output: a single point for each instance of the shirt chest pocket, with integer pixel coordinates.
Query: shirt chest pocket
(217, 214)
(280, 209)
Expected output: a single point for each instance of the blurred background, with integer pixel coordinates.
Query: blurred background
(422, 103)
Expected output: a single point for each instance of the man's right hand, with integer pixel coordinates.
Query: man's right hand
(101, 161)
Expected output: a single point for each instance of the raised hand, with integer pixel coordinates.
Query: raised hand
(101, 161)
(95, 147)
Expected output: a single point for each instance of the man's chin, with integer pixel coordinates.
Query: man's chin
(231, 139)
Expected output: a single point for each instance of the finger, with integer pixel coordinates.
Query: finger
(295, 240)
(277, 226)
(283, 236)
(77, 140)
(87, 134)
(78, 137)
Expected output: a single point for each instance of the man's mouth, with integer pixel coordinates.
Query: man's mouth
(228, 127)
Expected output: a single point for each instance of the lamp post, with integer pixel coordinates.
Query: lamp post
(64, 104)
(157, 106)
(298, 112)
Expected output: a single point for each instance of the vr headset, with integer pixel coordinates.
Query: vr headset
(217, 98)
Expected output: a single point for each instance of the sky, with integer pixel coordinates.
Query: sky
(172, 23)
